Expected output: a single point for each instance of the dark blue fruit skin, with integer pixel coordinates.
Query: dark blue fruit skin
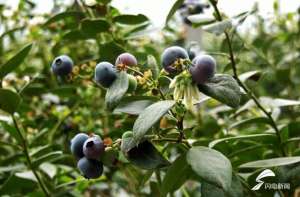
(203, 68)
(62, 65)
(126, 59)
(93, 147)
(90, 168)
(105, 74)
(77, 144)
(171, 55)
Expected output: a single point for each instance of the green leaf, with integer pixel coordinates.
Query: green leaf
(219, 27)
(134, 105)
(146, 156)
(117, 90)
(64, 91)
(255, 75)
(179, 171)
(236, 190)
(74, 35)
(242, 137)
(26, 175)
(152, 64)
(49, 169)
(91, 27)
(174, 8)
(10, 168)
(127, 141)
(15, 61)
(40, 151)
(149, 117)
(223, 88)
(64, 16)
(9, 101)
(11, 130)
(46, 158)
(129, 19)
(211, 166)
(256, 120)
(136, 29)
(109, 51)
(267, 163)
(10, 186)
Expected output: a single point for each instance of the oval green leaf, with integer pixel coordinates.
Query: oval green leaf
(223, 88)
(91, 27)
(211, 166)
(9, 101)
(129, 19)
(117, 90)
(134, 105)
(267, 163)
(242, 137)
(15, 61)
(179, 171)
(63, 16)
(174, 8)
(146, 156)
(149, 117)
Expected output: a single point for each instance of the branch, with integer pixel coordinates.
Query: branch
(26, 153)
(248, 91)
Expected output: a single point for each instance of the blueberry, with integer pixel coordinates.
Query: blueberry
(77, 144)
(132, 83)
(93, 147)
(192, 54)
(105, 74)
(126, 59)
(62, 65)
(171, 55)
(203, 68)
(90, 168)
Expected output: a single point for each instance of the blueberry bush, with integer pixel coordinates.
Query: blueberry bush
(93, 105)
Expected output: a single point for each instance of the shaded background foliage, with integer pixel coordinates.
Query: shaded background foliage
(51, 111)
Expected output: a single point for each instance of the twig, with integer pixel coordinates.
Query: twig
(248, 91)
(59, 122)
(26, 153)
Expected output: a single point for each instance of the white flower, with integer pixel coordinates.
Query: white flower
(185, 90)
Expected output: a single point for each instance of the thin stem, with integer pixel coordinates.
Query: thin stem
(158, 177)
(138, 72)
(61, 121)
(26, 153)
(248, 91)
(163, 139)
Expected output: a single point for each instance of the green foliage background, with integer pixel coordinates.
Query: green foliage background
(40, 114)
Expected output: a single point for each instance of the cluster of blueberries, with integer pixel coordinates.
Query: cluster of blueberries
(105, 72)
(202, 68)
(88, 150)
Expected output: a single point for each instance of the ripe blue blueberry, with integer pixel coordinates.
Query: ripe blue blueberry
(126, 59)
(93, 147)
(77, 144)
(62, 65)
(170, 56)
(203, 68)
(90, 168)
(105, 74)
